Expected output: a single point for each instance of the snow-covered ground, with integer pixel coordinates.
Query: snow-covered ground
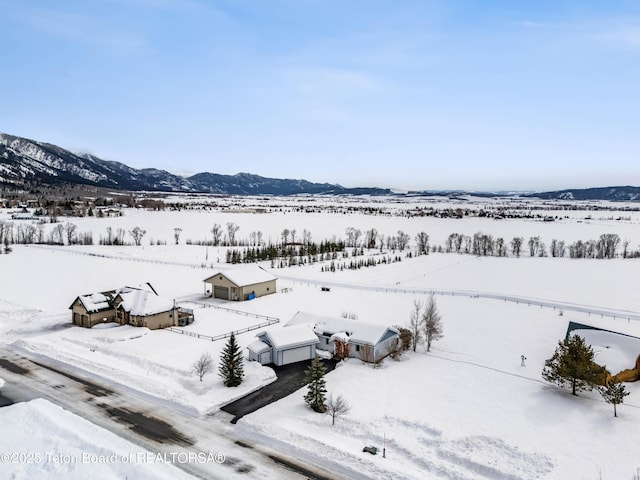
(155, 363)
(40, 440)
(466, 410)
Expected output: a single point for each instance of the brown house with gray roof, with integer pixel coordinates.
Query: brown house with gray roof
(129, 306)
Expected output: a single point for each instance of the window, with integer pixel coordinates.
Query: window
(357, 348)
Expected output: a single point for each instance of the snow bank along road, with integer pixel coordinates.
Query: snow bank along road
(159, 429)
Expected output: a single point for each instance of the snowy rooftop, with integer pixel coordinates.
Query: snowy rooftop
(291, 336)
(614, 351)
(142, 302)
(245, 275)
(258, 346)
(95, 302)
(358, 331)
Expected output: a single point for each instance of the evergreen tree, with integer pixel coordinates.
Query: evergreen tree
(231, 363)
(572, 365)
(614, 393)
(314, 377)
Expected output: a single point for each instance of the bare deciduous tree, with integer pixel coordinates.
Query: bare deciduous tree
(137, 233)
(70, 230)
(232, 229)
(217, 234)
(203, 365)
(353, 236)
(57, 234)
(609, 243)
(120, 236)
(176, 234)
(403, 240)
(336, 407)
(415, 322)
(422, 241)
(306, 237)
(370, 238)
(432, 322)
(516, 245)
(534, 246)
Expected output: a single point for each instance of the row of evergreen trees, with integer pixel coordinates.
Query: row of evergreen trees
(285, 251)
(361, 263)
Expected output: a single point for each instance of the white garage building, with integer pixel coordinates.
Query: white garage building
(281, 346)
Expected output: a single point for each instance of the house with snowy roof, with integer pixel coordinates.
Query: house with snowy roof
(142, 308)
(89, 310)
(241, 283)
(138, 307)
(282, 346)
(344, 337)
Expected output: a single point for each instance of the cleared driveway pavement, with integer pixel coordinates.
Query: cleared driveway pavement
(290, 379)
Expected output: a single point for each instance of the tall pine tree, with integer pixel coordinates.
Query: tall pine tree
(572, 365)
(314, 377)
(231, 363)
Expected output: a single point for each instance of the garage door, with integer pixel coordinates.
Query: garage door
(296, 355)
(265, 358)
(221, 292)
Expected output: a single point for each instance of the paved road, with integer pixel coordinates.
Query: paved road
(157, 428)
(290, 379)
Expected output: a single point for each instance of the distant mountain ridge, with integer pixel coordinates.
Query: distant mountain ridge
(626, 193)
(26, 163)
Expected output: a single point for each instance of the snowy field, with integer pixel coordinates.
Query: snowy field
(466, 410)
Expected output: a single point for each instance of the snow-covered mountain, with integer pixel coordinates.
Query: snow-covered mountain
(626, 193)
(29, 163)
(25, 162)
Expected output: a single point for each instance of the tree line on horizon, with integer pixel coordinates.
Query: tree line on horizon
(295, 249)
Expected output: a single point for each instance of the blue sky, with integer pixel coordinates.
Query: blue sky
(483, 95)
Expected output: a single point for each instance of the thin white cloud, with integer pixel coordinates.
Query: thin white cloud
(332, 81)
(626, 37)
(193, 6)
(620, 32)
(82, 28)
